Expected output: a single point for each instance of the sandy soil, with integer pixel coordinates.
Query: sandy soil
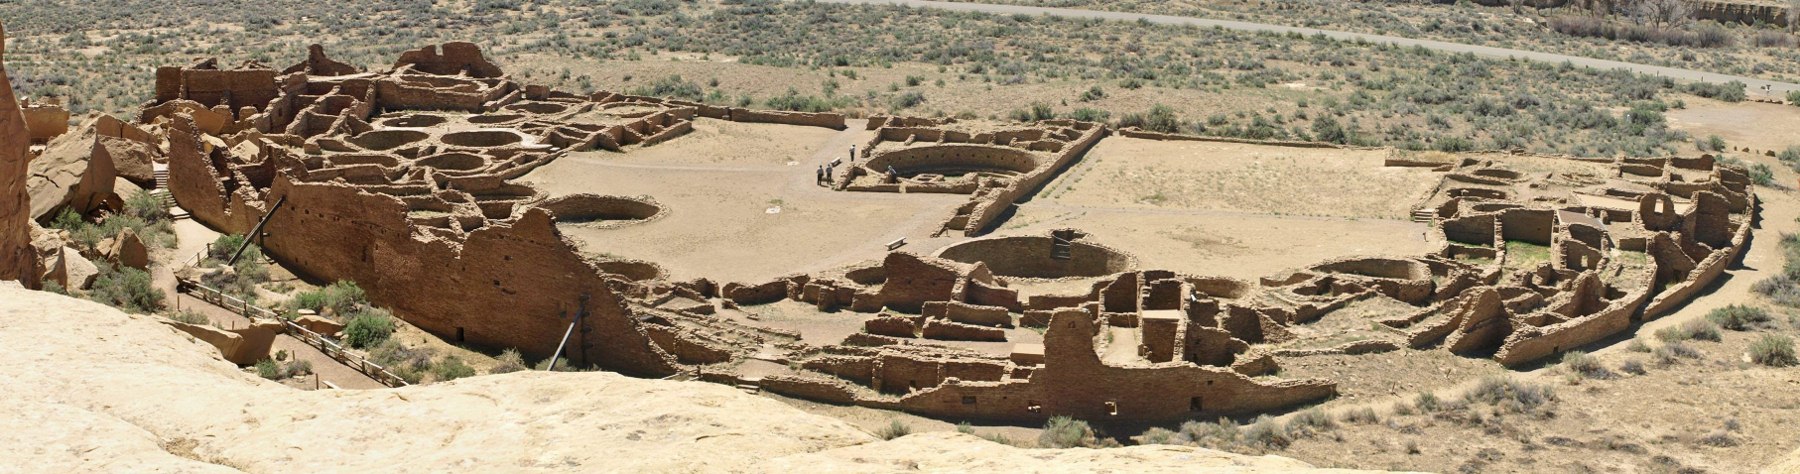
(1762, 127)
(1242, 177)
(1224, 243)
(719, 185)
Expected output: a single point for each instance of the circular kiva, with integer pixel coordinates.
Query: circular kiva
(1039, 257)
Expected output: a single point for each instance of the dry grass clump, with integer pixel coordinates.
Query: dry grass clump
(1773, 350)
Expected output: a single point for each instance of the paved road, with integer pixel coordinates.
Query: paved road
(1755, 85)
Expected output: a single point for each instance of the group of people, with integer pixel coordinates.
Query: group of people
(829, 170)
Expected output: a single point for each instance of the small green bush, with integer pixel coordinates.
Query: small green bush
(1223, 433)
(369, 328)
(1065, 432)
(1312, 419)
(1503, 391)
(1586, 365)
(267, 369)
(451, 368)
(341, 299)
(224, 246)
(1696, 329)
(894, 429)
(298, 368)
(188, 317)
(1428, 402)
(126, 288)
(1739, 317)
(1267, 434)
(1157, 435)
(146, 206)
(1773, 350)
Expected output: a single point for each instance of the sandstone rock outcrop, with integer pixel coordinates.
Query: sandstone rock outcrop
(18, 259)
(151, 399)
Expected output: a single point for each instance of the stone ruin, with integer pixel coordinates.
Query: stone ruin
(403, 180)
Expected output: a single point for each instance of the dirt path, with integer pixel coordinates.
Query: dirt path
(326, 368)
(1754, 85)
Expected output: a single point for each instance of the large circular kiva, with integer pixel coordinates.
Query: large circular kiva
(1031, 257)
(605, 210)
(482, 138)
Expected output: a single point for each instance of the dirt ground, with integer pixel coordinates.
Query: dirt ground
(737, 209)
(1288, 181)
(1759, 126)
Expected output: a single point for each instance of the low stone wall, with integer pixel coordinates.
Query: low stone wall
(828, 120)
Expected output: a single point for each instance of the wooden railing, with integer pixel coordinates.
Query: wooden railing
(326, 345)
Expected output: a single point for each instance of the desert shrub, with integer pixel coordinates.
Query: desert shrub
(126, 288)
(1789, 155)
(1730, 92)
(1637, 345)
(188, 317)
(1327, 129)
(268, 369)
(1673, 352)
(298, 368)
(1364, 415)
(1773, 350)
(1633, 367)
(146, 206)
(1715, 143)
(670, 86)
(1739, 317)
(409, 363)
(1310, 420)
(907, 100)
(451, 368)
(1586, 365)
(1096, 93)
(1087, 114)
(1507, 391)
(1781, 288)
(1160, 118)
(509, 361)
(965, 428)
(53, 287)
(1793, 97)
(1696, 329)
(1267, 434)
(1157, 435)
(1761, 174)
(562, 365)
(894, 429)
(224, 246)
(342, 298)
(1218, 434)
(1065, 432)
(1718, 439)
(1427, 402)
(369, 328)
(793, 101)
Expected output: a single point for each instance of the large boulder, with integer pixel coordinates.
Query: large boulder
(319, 324)
(245, 346)
(128, 250)
(18, 259)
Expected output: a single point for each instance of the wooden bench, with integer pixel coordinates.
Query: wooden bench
(897, 243)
